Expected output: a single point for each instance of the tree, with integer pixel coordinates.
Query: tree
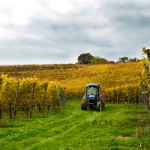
(98, 60)
(112, 62)
(85, 58)
(133, 60)
(123, 59)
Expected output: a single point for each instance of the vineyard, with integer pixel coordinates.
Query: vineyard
(25, 87)
(28, 93)
(75, 77)
(40, 107)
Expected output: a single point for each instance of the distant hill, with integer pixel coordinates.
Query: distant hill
(75, 76)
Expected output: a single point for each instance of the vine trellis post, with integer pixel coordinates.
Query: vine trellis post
(147, 78)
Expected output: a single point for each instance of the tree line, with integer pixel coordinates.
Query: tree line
(87, 58)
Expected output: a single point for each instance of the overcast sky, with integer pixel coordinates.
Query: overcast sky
(58, 31)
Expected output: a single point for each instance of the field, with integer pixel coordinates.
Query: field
(115, 74)
(29, 92)
(28, 86)
(74, 76)
(118, 127)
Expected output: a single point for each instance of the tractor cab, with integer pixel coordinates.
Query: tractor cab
(93, 97)
(92, 94)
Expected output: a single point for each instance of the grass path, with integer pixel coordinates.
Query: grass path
(118, 127)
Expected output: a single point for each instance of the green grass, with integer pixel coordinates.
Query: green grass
(118, 127)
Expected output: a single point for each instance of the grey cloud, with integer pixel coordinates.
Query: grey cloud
(128, 14)
(66, 32)
(109, 29)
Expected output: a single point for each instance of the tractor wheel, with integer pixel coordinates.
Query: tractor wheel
(83, 103)
(99, 106)
(103, 103)
(83, 107)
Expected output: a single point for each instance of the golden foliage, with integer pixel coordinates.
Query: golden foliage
(119, 77)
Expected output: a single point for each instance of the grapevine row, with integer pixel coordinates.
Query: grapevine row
(145, 85)
(29, 93)
(119, 81)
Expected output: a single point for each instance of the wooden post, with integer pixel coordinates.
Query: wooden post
(64, 98)
(0, 113)
(10, 110)
(59, 97)
(43, 106)
(148, 97)
(128, 96)
(0, 108)
(32, 99)
(16, 97)
(117, 97)
(0, 80)
(53, 98)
